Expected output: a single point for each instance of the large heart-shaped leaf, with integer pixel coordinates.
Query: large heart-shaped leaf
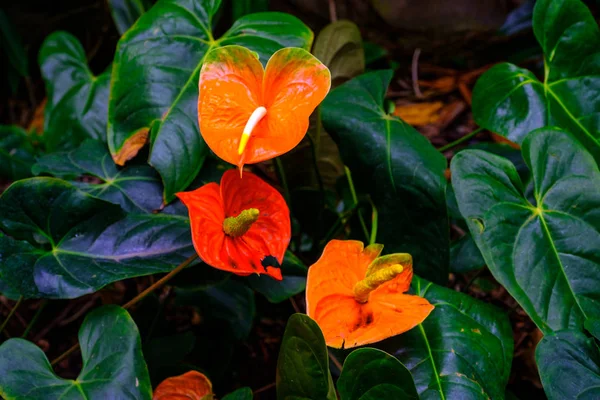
(545, 253)
(137, 188)
(398, 167)
(155, 80)
(113, 364)
(463, 350)
(294, 280)
(77, 106)
(16, 153)
(512, 101)
(66, 243)
(303, 364)
(371, 374)
(569, 365)
(126, 12)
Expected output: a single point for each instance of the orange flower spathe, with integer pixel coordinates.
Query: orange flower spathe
(248, 114)
(190, 386)
(358, 298)
(236, 224)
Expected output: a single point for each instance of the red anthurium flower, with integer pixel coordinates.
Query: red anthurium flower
(248, 114)
(237, 224)
(190, 386)
(357, 297)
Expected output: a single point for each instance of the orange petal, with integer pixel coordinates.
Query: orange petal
(295, 82)
(230, 90)
(190, 386)
(342, 265)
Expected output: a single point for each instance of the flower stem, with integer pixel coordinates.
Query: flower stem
(135, 300)
(461, 140)
(355, 200)
(11, 313)
(374, 220)
(281, 174)
(35, 318)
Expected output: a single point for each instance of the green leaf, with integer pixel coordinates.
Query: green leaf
(465, 255)
(373, 52)
(303, 364)
(229, 301)
(12, 46)
(240, 8)
(569, 365)
(463, 350)
(113, 363)
(398, 167)
(371, 374)
(244, 393)
(339, 46)
(77, 100)
(126, 12)
(137, 189)
(66, 243)
(511, 101)
(16, 153)
(155, 81)
(294, 280)
(593, 327)
(544, 253)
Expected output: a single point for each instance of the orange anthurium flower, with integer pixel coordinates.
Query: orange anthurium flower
(190, 386)
(248, 114)
(237, 224)
(357, 297)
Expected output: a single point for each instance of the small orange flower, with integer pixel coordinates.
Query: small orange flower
(357, 297)
(237, 224)
(190, 386)
(247, 114)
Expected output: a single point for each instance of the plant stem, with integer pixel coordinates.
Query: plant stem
(35, 318)
(11, 313)
(374, 220)
(135, 300)
(281, 174)
(459, 141)
(355, 200)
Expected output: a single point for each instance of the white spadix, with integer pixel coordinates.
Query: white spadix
(254, 119)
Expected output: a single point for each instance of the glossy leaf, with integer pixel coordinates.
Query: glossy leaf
(371, 374)
(569, 365)
(113, 364)
(465, 255)
(398, 167)
(16, 153)
(303, 364)
(593, 327)
(239, 8)
(244, 393)
(137, 189)
(544, 253)
(511, 101)
(294, 280)
(66, 243)
(156, 74)
(126, 12)
(77, 106)
(463, 350)
(339, 46)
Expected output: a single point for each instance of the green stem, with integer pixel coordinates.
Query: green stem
(355, 200)
(35, 318)
(459, 141)
(281, 174)
(374, 219)
(11, 313)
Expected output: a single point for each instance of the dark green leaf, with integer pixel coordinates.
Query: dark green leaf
(294, 280)
(113, 364)
(371, 374)
(240, 8)
(66, 243)
(303, 364)
(465, 255)
(16, 153)
(569, 365)
(373, 52)
(155, 83)
(77, 106)
(137, 189)
(512, 101)
(230, 301)
(398, 167)
(593, 327)
(12, 46)
(463, 350)
(339, 46)
(126, 12)
(240, 394)
(544, 253)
